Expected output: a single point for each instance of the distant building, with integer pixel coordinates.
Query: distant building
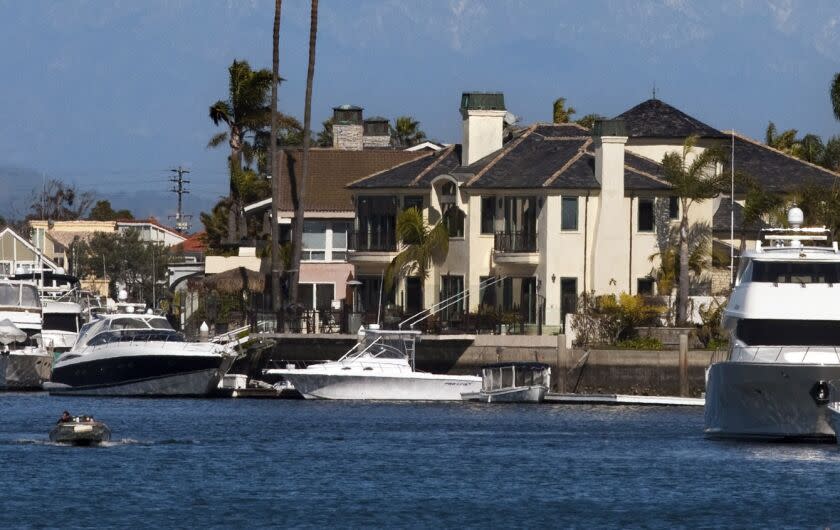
(17, 255)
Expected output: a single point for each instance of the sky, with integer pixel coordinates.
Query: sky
(109, 95)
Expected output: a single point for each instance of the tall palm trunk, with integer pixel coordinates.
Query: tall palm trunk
(307, 121)
(275, 171)
(682, 310)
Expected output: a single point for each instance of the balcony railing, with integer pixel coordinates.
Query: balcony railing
(515, 242)
(373, 241)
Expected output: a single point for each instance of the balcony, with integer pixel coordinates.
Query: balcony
(516, 248)
(372, 246)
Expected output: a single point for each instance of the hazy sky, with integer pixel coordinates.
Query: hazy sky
(110, 94)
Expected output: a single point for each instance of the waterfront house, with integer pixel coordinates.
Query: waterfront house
(555, 209)
(360, 147)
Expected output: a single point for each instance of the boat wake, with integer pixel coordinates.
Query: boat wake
(112, 443)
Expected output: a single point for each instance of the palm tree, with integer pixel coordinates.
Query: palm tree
(297, 229)
(325, 137)
(422, 246)
(785, 141)
(275, 185)
(835, 95)
(244, 113)
(406, 132)
(693, 181)
(562, 114)
(588, 120)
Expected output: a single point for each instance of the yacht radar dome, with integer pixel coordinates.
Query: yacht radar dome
(795, 217)
(122, 296)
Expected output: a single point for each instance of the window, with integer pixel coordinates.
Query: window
(569, 213)
(644, 286)
(488, 215)
(413, 201)
(325, 241)
(673, 207)
(340, 230)
(452, 286)
(5, 268)
(645, 220)
(453, 219)
(486, 293)
(316, 295)
(376, 223)
(314, 241)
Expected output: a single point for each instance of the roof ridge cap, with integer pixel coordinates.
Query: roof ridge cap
(424, 155)
(505, 151)
(580, 152)
(787, 155)
(443, 154)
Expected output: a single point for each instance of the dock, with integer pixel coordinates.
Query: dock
(623, 399)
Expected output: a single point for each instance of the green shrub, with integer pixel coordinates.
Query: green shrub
(640, 343)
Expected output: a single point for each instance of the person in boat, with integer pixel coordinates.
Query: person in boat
(65, 417)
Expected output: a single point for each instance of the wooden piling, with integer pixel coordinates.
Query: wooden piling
(684, 365)
(562, 363)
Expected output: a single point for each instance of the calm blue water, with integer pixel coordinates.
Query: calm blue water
(249, 463)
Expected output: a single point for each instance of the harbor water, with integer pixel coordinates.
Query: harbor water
(253, 463)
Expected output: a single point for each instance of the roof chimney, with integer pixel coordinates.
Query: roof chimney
(483, 115)
(347, 129)
(377, 132)
(611, 244)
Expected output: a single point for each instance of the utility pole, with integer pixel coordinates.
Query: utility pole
(276, 266)
(181, 221)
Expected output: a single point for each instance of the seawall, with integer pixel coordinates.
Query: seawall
(573, 370)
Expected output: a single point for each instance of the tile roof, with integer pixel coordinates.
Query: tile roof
(656, 119)
(331, 170)
(720, 219)
(775, 170)
(556, 156)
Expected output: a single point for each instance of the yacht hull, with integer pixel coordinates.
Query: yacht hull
(24, 371)
(413, 386)
(768, 400)
(141, 375)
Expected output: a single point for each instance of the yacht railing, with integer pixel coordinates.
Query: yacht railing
(788, 354)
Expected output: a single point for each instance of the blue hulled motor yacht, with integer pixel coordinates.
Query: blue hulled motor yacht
(137, 354)
(783, 318)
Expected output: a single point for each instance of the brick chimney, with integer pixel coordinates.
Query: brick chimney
(483, 115)
(347, 129)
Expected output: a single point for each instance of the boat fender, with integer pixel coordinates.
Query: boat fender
(820, 392)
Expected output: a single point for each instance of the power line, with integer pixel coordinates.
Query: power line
(181, 221)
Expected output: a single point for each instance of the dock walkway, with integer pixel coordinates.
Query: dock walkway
(622, 399)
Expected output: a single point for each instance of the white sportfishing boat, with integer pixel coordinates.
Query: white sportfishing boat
(379, 367)
(513, 382)
(784, 322)
(24, 362)
(136, 354)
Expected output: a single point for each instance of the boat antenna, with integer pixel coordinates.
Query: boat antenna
(732, 213)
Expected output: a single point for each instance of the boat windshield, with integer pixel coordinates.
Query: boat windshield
(139, 323)
(19, 295)
(61, 322)
(136, 335)
(771, 332)
(795, 272)
(384, 344)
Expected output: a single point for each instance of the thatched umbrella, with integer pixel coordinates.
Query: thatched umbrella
(235, 281)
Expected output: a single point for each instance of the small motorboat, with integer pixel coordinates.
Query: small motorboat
(80, 430)
(513, 382)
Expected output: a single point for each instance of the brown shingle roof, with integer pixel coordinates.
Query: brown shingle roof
(330, 171)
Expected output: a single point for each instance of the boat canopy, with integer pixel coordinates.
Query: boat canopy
(501, 376)
(384, 344)
(16, 294)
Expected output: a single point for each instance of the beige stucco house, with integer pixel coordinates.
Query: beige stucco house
(554, 209)
(17, 255)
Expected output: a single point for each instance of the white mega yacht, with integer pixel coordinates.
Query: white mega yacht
(24, 363)
(138, 354)
(783, 317)
(379, 367)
